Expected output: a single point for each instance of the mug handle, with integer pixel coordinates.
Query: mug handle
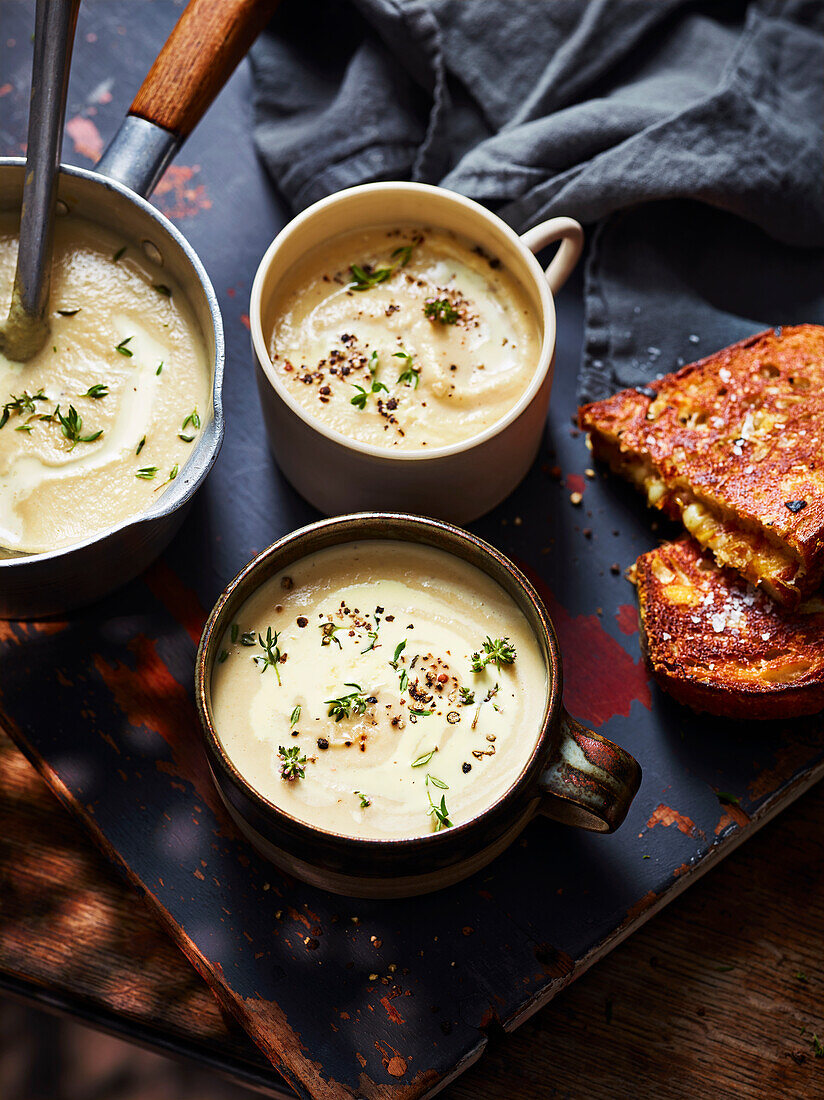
(571, 236)
(590, 782)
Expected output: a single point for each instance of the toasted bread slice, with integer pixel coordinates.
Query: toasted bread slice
(734, 447)
(717, 644)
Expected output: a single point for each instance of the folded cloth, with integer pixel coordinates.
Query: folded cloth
(687, 135)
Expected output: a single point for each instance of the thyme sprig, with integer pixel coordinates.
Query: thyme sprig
(404, 677)
(442, 310)
(98, 390)
(146, 473)
(293, 765)
(271, 656)
(329, 630)
(71, 425)
(360, 398)
(365, 277)
(410, 375)
(466, 697)
(25, 403)
(347, 705)
(364, 801)
(438, 810)
(499, 652)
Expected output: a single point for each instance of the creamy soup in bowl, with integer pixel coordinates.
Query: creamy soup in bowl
(102, 420)
(404, 337)
(380, 697)
(404, 342)
(380, 689)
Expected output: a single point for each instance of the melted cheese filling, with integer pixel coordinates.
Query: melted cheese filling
(388, 630)
(751, 554)
(64, 480)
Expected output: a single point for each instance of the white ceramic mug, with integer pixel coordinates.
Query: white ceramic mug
(337, 474)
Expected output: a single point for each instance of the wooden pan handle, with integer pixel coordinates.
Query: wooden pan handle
(210, 39)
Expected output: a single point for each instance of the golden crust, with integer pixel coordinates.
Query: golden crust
(733, 445)
(719, 645)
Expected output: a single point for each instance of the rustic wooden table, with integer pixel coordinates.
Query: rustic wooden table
(720, 996)
(660, 1017)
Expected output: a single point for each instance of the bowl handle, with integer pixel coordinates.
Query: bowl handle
(590, 782)
(571, 236)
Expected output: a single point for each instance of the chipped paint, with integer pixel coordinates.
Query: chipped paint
(627, 618)
(666, 816)
(178, 196)
(86, 138)
(601, 680)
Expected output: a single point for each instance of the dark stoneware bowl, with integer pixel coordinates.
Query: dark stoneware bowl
(573, 774)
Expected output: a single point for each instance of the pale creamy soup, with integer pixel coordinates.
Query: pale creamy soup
(407, 338)
(360, 712)
(100, 422)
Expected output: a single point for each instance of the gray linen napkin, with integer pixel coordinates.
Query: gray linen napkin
(687, 136)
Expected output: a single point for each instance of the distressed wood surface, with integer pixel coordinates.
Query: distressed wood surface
(720, 995)
(396, 1002)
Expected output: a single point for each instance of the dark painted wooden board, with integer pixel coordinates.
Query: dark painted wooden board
(393, 1003)
(730, 975)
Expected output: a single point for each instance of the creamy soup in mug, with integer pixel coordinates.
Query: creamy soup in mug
(406, 338)
(104, 417)
(380, 689)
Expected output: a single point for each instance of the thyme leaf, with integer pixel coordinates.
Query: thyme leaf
(123, 349)
(410, 375)
(347, 705)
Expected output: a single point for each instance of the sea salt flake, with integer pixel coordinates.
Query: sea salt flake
(718, 621)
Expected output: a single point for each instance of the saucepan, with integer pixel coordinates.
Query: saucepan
(204, 48)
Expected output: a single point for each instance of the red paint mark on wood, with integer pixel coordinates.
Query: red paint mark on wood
(179, 600)
(391, 1011)
(150, 696)
(791, 756)
(627, 618)
(640, 907)
(86, 137)
(601, 679)
(666, 816)
(244, 320)
(5, 89)
(575, 483)
(178, 196)
(393, 1063)
(732, 815)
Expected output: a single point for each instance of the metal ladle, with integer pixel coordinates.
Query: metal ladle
(27, 326)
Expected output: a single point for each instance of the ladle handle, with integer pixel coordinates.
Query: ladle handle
(210, 39)
(28, 326)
